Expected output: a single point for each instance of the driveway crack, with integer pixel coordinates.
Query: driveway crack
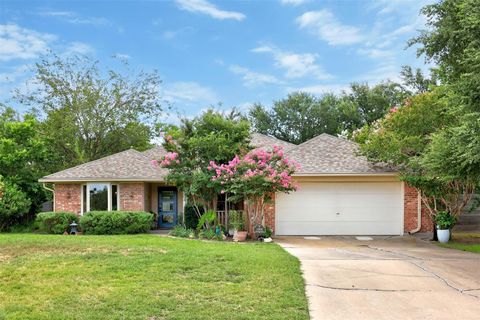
(412, 260)
(444, 280)
(366, 289)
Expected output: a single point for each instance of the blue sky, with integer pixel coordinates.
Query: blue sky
(207, 52)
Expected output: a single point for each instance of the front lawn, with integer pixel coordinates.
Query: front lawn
(464, 241)
(146, 277)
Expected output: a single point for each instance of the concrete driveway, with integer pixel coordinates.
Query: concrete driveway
(386, 278)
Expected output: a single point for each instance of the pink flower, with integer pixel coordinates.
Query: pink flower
(154, 163)
(394, 109)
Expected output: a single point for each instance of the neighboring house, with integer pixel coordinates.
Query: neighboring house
(340, 192)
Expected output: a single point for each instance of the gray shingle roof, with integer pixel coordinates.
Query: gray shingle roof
(259, 140)
(155, 153)
(125, 165)
(326, 154)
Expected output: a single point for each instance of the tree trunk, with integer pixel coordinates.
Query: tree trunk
(435, 236)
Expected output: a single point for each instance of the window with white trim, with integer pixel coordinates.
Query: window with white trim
(100, 196)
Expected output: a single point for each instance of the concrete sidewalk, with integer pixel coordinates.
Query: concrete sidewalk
(386, 278)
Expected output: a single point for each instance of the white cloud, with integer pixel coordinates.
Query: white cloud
(293, 2)
(14, 74)
(172, 34)
(327, 27)
(296, 65)
(205, 7)
(80, 47)
(122, 56)
(189, 92)
(21, 43)
(251, 78)
(320, 89)
(74, 18)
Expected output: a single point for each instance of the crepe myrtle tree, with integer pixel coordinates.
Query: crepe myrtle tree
(403, 140)
(211, 136)
(255, 178)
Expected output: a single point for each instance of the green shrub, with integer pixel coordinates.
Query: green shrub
(191, 218)
(182, 232)
(445, 220)
(55, 222)
(236, 220)
(209, 234)
(116, 222)
(14, 205)
(207, 219)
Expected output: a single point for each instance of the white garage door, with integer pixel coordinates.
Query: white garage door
(343, 208)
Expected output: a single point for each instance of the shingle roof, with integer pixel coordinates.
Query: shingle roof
(326, 154)
(259, 140)
(155, 153)
(125, 165)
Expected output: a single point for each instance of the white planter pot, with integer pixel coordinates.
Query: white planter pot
(443, 235)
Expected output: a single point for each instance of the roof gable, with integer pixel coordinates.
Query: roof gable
(125, 165)
(326, 154)
(259, 140)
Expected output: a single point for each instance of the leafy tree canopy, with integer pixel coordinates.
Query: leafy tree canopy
(302, 116)
(90, 113)
(24, 155)
(212, 136)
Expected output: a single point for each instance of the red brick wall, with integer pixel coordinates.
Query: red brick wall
(411, 213)
(132, 196)
(68, 197)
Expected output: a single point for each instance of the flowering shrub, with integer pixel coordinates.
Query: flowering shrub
(255, 178)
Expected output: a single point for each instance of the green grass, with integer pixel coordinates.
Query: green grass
(464, 241)
(461, 246)
(146, 277)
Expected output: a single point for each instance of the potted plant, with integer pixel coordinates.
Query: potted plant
(444, 221)
(237, 223)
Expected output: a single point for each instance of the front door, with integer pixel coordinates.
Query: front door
(167, 207)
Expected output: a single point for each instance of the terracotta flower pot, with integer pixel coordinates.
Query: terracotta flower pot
(240, 236)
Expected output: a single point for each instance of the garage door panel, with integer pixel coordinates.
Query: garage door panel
(356, 214)
(335, 228)
(364, 208)
(345, 188)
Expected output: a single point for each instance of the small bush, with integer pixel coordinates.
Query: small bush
(191, 218)
(209, 234)
(55, 222)
(14, 205)
(182, 232)
(445, 220)
(116, 222)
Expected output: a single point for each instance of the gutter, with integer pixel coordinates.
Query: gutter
(53, 192)
(345, 174)
(419, 214)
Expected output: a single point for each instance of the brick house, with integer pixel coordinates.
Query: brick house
(340, 192)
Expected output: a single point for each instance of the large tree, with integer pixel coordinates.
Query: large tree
(403, 140)
(452, 41)
(90, 112)
(302, 116)
(24, 156)
(212, 136)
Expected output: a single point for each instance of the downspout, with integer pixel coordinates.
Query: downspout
(419, 214)
(53, 192)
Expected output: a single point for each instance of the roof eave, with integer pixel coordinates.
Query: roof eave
(56, 180)
(331, 174)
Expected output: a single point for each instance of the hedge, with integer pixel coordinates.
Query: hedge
(55, 222)
(116, 222)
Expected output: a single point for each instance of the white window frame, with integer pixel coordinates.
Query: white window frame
(109, 195)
